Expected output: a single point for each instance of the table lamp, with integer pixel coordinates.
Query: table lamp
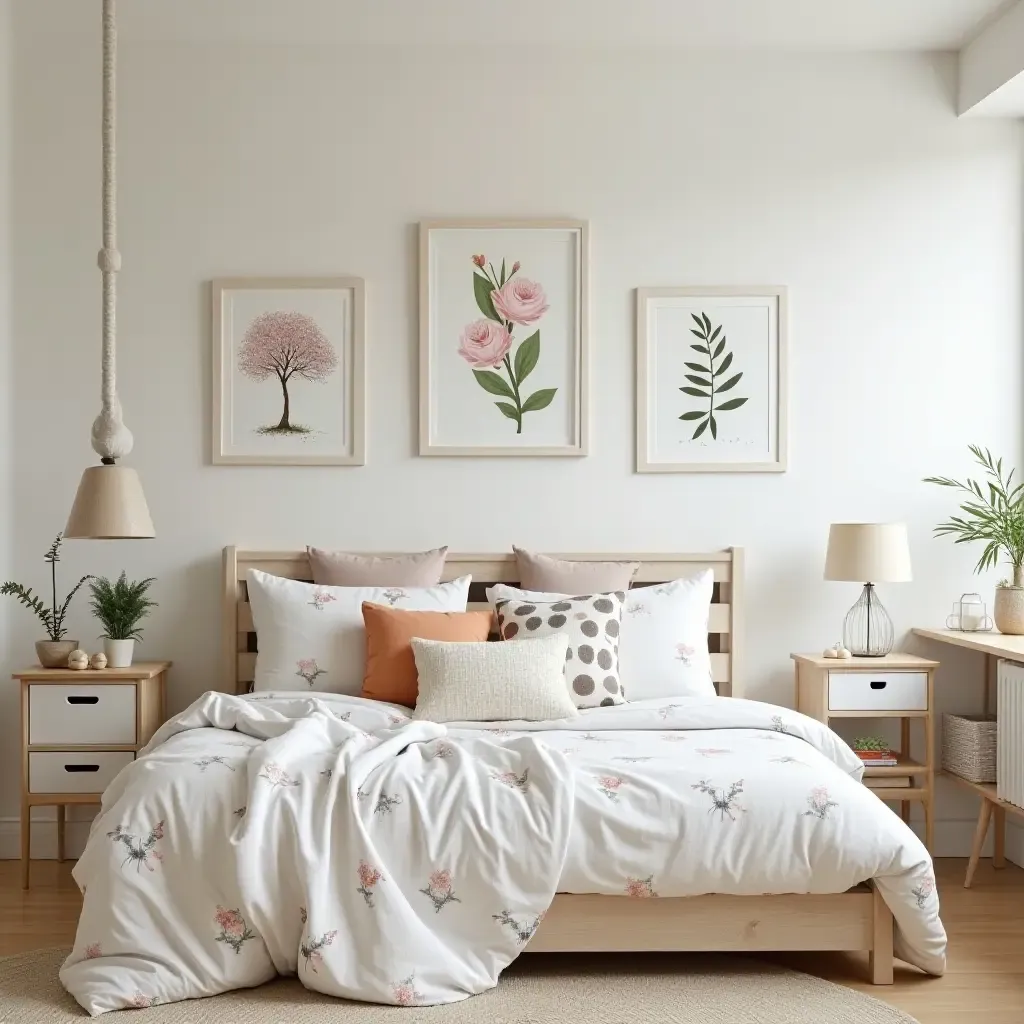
(868, 553)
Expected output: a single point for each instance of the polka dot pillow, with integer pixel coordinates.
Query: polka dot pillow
(591, 623)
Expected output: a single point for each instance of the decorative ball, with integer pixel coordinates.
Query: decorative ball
(843, 653)
(99, 661)
(78, 660)
(829, 652)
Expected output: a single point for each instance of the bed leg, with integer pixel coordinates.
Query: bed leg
(880, 955)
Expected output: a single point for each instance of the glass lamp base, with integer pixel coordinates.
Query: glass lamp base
(867, 629)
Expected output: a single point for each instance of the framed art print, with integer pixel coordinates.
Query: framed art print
(711, 380)
(503, 337)
(288, 372)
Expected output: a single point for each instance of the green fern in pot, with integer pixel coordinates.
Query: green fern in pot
(120, 607)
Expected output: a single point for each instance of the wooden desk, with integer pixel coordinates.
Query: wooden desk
(994, 646)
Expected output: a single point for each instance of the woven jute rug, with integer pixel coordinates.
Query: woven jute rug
(539, 989)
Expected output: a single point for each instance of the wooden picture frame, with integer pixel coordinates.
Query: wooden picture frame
(325, 318)
(676, 405)
(541, 330)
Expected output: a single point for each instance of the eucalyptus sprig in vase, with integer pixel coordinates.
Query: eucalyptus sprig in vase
(993, 513)
(120, 607)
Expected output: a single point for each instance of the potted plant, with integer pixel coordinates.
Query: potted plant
(120, 607)
(52, 653)
(993, 512)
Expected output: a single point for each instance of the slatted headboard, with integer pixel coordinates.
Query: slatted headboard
(724, 625)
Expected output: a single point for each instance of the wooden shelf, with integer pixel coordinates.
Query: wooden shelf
(906, 766)
(986, 790)
(878, 714)
(899, 794)
(998, 644)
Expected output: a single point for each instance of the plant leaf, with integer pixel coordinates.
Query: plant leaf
(700, 323)
(700, 334)
(719, 347)
(730, 383)
(718, 330)
(701, 348)
(482, 289)
(714, 427)
(707, 322)
(493, 384)
(698, 380)
(501, 280)
(726, 363)
(733, 403)
(700, 414)
(695, 392)
(701, 369)
(539, 399)
(526, 357)
(509, 410)
(700, 430)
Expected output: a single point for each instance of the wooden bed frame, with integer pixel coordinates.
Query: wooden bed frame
(855, 920)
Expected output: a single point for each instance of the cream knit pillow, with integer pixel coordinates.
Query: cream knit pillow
(492, 682)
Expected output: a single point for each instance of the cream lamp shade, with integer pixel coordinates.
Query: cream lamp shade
(868, 553)
(109, 505)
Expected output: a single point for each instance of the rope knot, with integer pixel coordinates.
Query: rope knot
(109, 261)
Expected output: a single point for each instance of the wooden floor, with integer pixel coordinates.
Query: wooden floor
(984, 983)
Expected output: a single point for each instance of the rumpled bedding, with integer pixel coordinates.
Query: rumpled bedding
(407, 862)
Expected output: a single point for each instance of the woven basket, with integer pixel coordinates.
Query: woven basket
(969, 746)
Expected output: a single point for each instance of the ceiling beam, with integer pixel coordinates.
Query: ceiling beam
(992, 67)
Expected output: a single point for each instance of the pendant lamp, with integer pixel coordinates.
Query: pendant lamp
(109, 504)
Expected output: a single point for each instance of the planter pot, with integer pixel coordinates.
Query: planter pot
(54, 653)
(1009, 610)
(118, 652)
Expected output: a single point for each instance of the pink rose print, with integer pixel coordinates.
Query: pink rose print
(139, 1001)
(923, 892)
(321, 596)
(819, 803)
(439, 890)
(685, 653)
(520, 300)
(233, 929)
(311, 949)
(640, 888)
(309, 670)
(369, 876)
(609, 785)
(141, 851)
(93, 951)
(512, 780)
(484, 344)
(276, 775)
(405, 991)
(506, 301)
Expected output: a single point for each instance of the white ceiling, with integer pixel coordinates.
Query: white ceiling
(689, 24)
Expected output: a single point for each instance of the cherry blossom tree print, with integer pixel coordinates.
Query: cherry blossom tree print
(922, 893)
(439, 890)
(405, 991)
(140, 850)
(285, 345)
(234, 932)
(321, 596)
(512, 780)
(640, 888)
(369, 876)
(609, 785)
(819, 804)
(507, 301)
(276, 775)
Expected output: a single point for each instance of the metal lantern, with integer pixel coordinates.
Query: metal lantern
(969, 615)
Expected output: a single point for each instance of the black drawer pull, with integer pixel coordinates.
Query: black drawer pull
(877, 684)
(83, 700)
(81, 767)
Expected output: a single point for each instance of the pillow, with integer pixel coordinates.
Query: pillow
(591, 655)
(663, 651)
(542, 572)
(487, 682)
(339, 569)
(311, 637)
(390, 668)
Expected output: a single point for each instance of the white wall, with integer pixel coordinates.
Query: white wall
(847, 178)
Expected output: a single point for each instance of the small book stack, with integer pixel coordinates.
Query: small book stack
(877, 758)
(873, 753)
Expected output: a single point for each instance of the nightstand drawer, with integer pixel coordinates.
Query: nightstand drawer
(878, 691)
(103, 713)
(74, 771)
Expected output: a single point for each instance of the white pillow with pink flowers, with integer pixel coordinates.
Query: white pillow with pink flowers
(663, 645)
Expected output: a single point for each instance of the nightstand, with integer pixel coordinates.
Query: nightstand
(894, 686)
(79, 729)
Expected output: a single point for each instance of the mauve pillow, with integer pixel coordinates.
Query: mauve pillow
(542, 572)
(341, 569)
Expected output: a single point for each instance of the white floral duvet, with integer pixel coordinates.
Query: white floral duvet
(406, 862)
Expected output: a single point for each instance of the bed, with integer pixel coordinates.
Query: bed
(586, 917)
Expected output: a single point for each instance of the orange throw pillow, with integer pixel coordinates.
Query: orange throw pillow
(390, 666)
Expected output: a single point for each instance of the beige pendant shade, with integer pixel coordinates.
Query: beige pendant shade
(109, 505)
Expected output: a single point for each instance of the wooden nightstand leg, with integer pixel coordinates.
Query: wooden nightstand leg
(999, 837)
(60, 833)
(984, 816)
(26, 841)
(905, 810)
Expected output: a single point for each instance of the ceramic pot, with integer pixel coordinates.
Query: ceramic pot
(54, 653)
(1009, 610)
(118, 652)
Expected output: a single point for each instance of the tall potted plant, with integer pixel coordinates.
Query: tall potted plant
(993, 513)
(120, 607)
(52, 653)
